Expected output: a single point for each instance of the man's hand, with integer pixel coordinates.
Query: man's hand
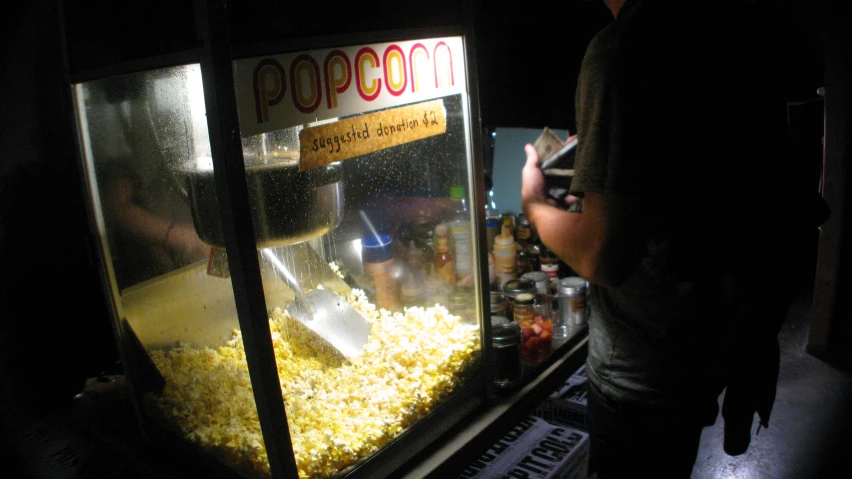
(533, 189)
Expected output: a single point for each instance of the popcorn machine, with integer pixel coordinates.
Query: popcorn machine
(267, 202)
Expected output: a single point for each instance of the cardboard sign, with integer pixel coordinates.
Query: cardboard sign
(364, 134)
(534, 449)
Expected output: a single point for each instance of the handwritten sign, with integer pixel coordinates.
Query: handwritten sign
(364, 134)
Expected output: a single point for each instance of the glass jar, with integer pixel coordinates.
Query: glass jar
(536, 332)
(512, 288)
(524, 309)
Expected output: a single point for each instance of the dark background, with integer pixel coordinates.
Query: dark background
(54, 326)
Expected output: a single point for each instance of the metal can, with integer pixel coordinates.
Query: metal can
(506, 346)
(572, 306)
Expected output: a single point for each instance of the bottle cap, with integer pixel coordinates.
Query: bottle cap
(376, 249)
(503, 239)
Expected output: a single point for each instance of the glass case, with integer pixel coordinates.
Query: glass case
(363, 190)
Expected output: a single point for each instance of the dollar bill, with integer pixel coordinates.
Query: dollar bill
(547, 144)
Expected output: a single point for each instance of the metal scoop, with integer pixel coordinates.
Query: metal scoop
(325, 313)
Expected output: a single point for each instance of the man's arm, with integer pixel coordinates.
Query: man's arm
(602, 244)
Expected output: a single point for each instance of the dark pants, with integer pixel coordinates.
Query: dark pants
(631, 440)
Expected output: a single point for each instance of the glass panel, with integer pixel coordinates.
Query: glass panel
(142, 133)
(379, 254)
(140, 129)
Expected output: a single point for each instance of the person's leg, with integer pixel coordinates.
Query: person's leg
(629, 440)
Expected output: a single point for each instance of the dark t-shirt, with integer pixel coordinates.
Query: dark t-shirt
(659, 124)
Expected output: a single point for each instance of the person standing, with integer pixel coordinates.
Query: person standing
(679, 167)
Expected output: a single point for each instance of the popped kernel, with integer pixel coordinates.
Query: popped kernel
(338, 414)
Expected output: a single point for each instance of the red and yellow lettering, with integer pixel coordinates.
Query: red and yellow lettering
(338, 76)
(367, 59)
(417, 57)
(305, 83)
(395, 74)
(268, 82)
(443, 59)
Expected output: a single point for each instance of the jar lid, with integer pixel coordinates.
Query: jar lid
(537, 276)
(518, 285)
(499, 320)
(524, 298)
(505, 334)
(572, 285)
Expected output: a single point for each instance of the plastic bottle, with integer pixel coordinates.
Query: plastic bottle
(460, 233)
(444, 261)
(377, 255)
(523, 231)
(505, 255)
(549, 263)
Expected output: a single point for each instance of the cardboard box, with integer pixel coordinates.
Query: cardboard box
(567, 405)
(534, 449)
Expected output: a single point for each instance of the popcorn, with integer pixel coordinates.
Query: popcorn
(338, 414)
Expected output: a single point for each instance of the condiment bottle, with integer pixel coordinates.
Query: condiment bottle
(505, 255)
(444, 261)
(523, 231)
(376, 252)
(549, 263)
(460, 233)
